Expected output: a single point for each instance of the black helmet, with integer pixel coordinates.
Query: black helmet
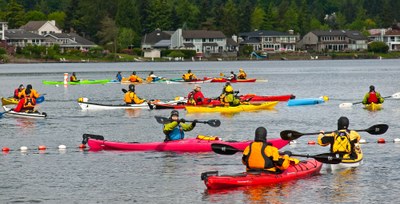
(372, 88)
(29, 86)
(131, 87)
(134, 73)
(232, 72)
(189, 71)
(73, 73)
(21, 86)
(343, 123)
(27, 92)
(174, 112)
(261, 135)
(151, 72)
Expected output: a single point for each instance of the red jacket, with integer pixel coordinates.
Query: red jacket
(26, 103)
(198, 97)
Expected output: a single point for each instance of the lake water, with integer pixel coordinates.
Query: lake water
(76, 176)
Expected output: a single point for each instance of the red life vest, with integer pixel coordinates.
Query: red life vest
(373, 98)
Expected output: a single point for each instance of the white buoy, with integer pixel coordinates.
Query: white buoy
(396, 140)
(57, 85)
(23, 148)
(62, 147)
(363, 141)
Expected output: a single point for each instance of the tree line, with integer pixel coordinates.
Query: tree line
(123, 22)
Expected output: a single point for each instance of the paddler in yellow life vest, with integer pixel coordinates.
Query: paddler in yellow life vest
(34, 93)
(135, 78)
(262, 156)
(189, 76)
(176, 128)
(26, 104)
(73, 78)
(242, 74)
(152, 77)
(343, 141)
(372, 96)
(227, 97)
(131, 97)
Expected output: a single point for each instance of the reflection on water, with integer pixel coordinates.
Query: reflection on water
(345, 185)
(133, 113)
(26, 123)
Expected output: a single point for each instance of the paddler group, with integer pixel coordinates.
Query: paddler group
(24, 98)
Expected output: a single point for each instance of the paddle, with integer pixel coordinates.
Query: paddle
(373, 130)
(348, 105)
(212, 123)
(148, 103)
(328, 158)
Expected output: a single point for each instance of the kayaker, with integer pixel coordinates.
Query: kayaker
(118, 76)
(228, 98)
(73, 78)
(260, 155)
(18, 90)
(343, 141)
(135, 78)
(33, 92)
(152, 77)
(189, 76)
(372, 96)
(232, 76)
(131, 97)
(176, 128)
(27, 103)
(242, 74)
(196, 97)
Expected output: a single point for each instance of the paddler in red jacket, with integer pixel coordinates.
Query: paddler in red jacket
(26, 104)
(196, 97)
(372, 96)
(260, 155)
(18, 90)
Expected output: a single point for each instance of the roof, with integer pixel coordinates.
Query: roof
(231, 42)
(188, 44)
(163, 43)
(202, 34)
(355, 35)
(210, 44)
(21, 34)
(33, 25)
(78, 39)
(156, 36)
(263, 33)
(392, 32)
(251, 41)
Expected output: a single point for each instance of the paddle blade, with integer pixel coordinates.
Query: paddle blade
(214, 123)
(124, 90)
(224, 149)
(162, 120)
(87, 136)
(345, 105)
(328, 158)
(290, 135)
(377, 129)
(396, 95)
(40, 99)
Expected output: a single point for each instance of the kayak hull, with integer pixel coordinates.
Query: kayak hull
(185, 145)
(253, 97)
(223, 80)
(11, 113)
(349, 163)
(373, 106)
(9, 101)
(98, 106)
(304, 169)
(305, 101)
(100, 81)
(231, 109)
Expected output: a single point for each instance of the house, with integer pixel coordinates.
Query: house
(69, 41)
(389, 36)
(21, 38)
(269, 41)
(203, 41)
(334, 40)
(41, 27)
(3, 28)
(157, 39)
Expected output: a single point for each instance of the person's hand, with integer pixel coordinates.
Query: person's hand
(194, 122)
(182, 120)
(322, 132)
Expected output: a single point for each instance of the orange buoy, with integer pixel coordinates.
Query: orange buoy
(381, 140)
(311, 142)
(42, 147)
(82, 146)
(5, 149)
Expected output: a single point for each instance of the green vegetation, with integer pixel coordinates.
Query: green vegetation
(379, 47)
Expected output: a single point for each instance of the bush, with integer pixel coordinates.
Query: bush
(379, 47)
(127, 51)
(137, 52)
(176, 53)
(245, 50)
(186, 53)
(2, 51)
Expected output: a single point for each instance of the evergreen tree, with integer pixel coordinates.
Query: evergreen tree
(15, 14)
(229, 20)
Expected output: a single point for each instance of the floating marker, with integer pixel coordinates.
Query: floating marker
(293, 142)
(23, 148)
(42, 147)
(381, 140)
(363, 141)
(62, 147)
(311, 142)
(5, 149)
(82, 146)
(396, 140)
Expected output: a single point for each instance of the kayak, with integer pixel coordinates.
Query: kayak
(373, 106)
(194, 81)
(97, 106)
(307, 101)
(254, 97)
(37, 114)
(349, 163)
(222, 80)
(198, 144)
(232, 109)
(303, 169)
(99, 81)
(9, 101)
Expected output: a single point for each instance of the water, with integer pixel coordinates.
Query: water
(76, 176)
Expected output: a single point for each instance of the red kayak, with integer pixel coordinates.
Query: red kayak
(199, 144)
(222, 80)
(254, 97)
(301, 170)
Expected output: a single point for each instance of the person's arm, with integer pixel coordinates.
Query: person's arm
(169, 127)
(35, 94)
(246, 155)
(137, 100)
(325, 139)
(380, 98)
(354, 136)
(188, 127)
(365, 100)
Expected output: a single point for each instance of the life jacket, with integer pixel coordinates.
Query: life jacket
(373, 98)
(242, 75)
(29, 103)
(176, 133)
(16, 92)
(187, 76)
(130, 97)
(73, 78)
(191, 99)
(341, 142)
(257, 159)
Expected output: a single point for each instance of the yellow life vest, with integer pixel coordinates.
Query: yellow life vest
(341, 143)
(29, 103)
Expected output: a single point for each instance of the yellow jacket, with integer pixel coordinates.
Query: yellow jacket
(188, 76)
(34, 93)
(263, 156)
(132, 98)
(135, 78)
(242, 75)
(341, 141)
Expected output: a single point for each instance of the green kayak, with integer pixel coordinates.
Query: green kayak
(100, 81)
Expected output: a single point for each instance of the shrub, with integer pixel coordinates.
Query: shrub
(2, 51)
(176, 53)
(379, 47)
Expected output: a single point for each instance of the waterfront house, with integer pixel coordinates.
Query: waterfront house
(390, 36)
(157, 39)
(3, 28)
(41, 27)
(269, 41)
(68, 41)
(21, 38)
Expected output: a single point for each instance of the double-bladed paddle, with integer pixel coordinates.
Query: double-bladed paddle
(373, 130)
(327, 158)
(212, 123)
(348, 105)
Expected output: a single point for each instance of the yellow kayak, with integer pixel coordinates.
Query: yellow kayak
(373, 106)
(349, 163)
(231, 109)
(9, 101)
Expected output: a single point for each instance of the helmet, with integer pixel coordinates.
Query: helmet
(29, 86)
(131, 87)
(228, 89)
(73, 73)
(261, 135)
(134, 73)
(232, 72)
(151, 72)
(343, 123)
(21, 86)
(371, 88)
(27, 92)
(189, 71)
(174, 112)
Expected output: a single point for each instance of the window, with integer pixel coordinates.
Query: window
(44, 32)
(210, 39)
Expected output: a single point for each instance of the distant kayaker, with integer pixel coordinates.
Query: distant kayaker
(343, 141)
(27, 103)
(260, 155)
(372, 96)
(242, 74)
(228, 97)
(189, 76)
(135, 78)
(33, 92)
(152, 77)
(118, 76)
(176, 128)
(196, 97)
(232, 76)
(131, 97)
(18, 90)
(73, 78)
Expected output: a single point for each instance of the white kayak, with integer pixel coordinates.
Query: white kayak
(10, 112)
(98, 106)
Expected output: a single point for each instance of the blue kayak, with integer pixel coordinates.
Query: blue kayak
(306, 101)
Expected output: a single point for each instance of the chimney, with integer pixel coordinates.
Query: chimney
(53, 22)
(235, 38)
(291, 32)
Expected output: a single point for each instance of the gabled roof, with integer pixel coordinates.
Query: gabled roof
(231, 42)
(251, 41)
(356, 35)
(263, 33)
(156, 36)
(392, 32)
(191, 34)
(75, 37)
(163, 43)
(21, 34)
(33, 25)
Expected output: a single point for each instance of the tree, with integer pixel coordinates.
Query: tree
(290, 18)
(158, 14)
(379, 47)
(108, 32)
(35, 16)
(186, 13)
(229, 19)
(126, 38)
(15, 14)
(128, 15)
(59, 17)
(257, 18)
